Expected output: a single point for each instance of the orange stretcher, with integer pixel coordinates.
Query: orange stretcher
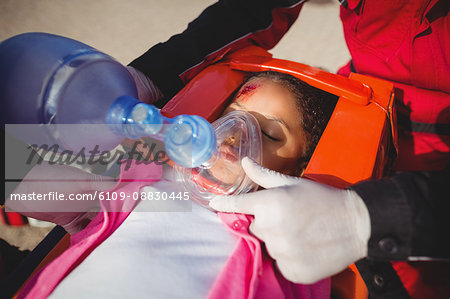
(359, 142)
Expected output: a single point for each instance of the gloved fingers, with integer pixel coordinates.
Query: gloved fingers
(304, 271)
(244, 204)
(255, 230)
(232, 204)
(277, 247)
(293, 271)
(270, 240)
(293, 266)
(264, 177)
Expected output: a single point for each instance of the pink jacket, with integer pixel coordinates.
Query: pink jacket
(248, 273)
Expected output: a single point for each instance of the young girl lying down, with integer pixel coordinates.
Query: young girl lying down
(200, 253)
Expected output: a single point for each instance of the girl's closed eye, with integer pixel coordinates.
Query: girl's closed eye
(271, 137)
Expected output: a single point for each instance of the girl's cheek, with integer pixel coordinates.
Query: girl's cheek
(270, 159)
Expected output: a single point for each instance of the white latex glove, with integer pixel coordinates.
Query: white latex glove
(311, 230)
(73, 216)
(148, 92)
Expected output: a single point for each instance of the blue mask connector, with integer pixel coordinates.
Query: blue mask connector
(190, 140)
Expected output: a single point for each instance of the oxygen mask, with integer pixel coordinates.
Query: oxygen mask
(238, 136)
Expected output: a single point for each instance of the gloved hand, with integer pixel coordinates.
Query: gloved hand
(311, 230)
(148, 92)
(72, 215)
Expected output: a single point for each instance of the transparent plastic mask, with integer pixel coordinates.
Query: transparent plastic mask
(238, 136)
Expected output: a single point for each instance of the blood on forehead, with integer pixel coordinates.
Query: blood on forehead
(248, 90)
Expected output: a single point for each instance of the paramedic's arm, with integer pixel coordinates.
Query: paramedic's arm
(314, 231)
(409, 215)
(57, 187)
(225, 26)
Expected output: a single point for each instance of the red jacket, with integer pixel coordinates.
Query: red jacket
(408, 43)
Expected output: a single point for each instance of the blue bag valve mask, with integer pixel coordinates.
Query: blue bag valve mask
(189, 139)
(238, 135)
(80, 98)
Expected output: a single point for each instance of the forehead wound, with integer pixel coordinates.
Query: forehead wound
(248, 89)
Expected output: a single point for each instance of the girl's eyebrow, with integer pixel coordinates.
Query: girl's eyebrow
(269, 117)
